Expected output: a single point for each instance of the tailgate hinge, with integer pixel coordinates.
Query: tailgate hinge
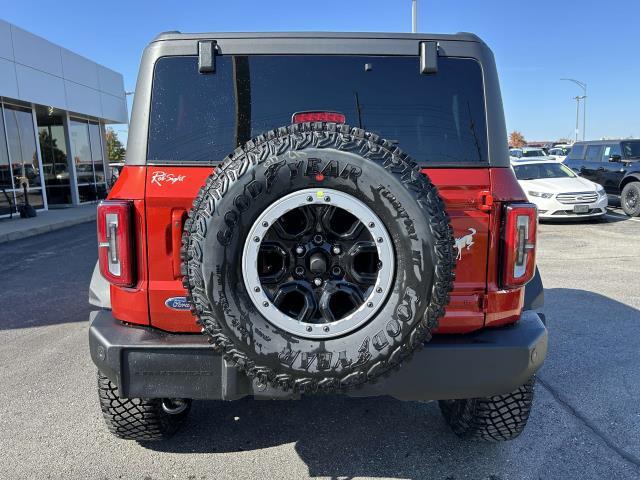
(428, 57)
(207, 56)
(485, 201)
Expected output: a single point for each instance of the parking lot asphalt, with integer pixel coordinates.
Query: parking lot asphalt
(585, 423)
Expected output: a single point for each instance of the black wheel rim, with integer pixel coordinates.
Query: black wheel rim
(325, 261)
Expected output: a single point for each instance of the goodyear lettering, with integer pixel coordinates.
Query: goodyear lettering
(393, 328)
(379, 341)
(402, 212)
(342, 360)
(332, 168)
(288, 356)
(363, 353)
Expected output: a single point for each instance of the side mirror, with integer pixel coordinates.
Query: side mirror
(615, 158)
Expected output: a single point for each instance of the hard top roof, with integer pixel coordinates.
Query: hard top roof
(606, 142)
(460, 36)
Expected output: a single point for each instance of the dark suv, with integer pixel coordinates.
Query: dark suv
(317, 213)
(614, 164)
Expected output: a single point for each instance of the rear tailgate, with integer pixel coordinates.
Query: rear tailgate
(463, 191)
(170, 192)
(169, 195)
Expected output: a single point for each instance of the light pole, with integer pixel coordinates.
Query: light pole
(577, 99)
(414, 16)
(583, 86)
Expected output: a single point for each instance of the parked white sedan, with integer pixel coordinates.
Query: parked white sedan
(560, 152)
(528, 153)
(558, 192)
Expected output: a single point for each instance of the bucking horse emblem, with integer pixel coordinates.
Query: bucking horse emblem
(464, 242)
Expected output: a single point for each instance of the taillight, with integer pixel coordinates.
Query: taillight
(519, 247)
(115, 242)
(302, 117)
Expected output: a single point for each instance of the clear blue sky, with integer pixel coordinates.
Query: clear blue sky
(535, 43)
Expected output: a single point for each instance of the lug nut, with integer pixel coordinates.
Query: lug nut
(299, 271)
(299, 250)
(317, 281)
(336, 250)
(317, 239)
(336, 271)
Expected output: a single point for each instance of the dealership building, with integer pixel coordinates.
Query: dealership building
(54, 107)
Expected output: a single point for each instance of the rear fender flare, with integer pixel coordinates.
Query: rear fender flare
(630, 177)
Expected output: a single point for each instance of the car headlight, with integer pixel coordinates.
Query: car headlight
(600, 191)
(540, 194)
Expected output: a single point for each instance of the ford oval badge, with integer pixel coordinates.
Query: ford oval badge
(178, 303)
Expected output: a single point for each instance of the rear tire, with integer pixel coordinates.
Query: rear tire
(494, 419)
(630, 199)
(138, 418)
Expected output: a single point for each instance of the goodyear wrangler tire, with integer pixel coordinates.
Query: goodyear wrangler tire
(318, 257)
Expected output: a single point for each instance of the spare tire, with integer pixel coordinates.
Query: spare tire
(318, 257)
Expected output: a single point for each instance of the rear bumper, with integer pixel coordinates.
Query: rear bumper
(146, 362)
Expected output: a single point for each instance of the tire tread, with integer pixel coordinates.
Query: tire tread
(318, 135)
(493, 419)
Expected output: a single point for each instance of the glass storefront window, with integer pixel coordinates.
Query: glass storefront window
(6, 183)
(96, 152)
(89, 159)
(53, 150)
(48, 168)
(22, 146)
(24, 167)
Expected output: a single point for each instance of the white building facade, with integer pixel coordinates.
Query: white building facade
(54, 106)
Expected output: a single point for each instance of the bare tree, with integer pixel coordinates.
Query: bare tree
(516, 139)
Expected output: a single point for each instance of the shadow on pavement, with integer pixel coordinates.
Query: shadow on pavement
(593, 364)
(44, 280)
(338, 436)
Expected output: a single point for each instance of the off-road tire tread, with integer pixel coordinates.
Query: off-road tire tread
(494, 419)
(318, 135)
(135, 418)
(636, 211)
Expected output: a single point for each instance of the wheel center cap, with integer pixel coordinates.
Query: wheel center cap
(318, 263)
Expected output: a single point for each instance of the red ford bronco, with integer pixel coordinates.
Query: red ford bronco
(314, 213)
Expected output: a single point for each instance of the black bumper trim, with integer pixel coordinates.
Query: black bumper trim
(149, 363)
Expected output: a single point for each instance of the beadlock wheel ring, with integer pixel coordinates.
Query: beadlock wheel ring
(376, 292)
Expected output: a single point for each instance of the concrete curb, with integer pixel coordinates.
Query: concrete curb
(51, 227)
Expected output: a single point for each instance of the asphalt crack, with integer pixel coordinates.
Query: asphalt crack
(564, 403)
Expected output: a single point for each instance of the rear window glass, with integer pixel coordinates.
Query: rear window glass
(631, 149)
(533, 153)
(435, 118)
(577, 151)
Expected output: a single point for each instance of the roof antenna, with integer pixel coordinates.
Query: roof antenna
(414, 16)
